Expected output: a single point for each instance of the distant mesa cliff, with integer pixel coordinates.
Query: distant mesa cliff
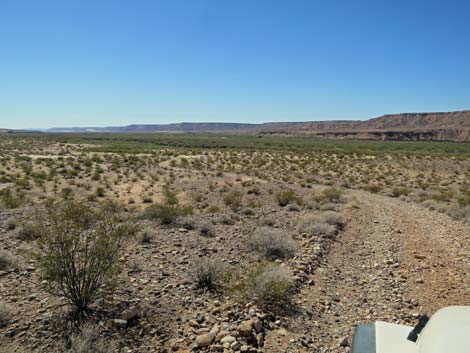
(451, 126)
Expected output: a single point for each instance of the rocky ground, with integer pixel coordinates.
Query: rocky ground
(392, 261)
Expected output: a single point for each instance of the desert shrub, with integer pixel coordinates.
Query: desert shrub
(293, 208)
(329, 195)
(286, 197)
(268, 222)
(9, 199)
(233, 199)
(100, 192)
(333, 194)
(312, 205)
(5, 315)
(461, 213)
(267, 284)
(147, 199)
(168, 211)
(146, 237)
(206, 228)
(28, 231)
(328, 206)
(247, 211)
(332, 218)
(373, 188)
(315, 225)
(6, 260)
(272, 244)
(225, 219)
(198, 197)
(11, 223)
(89, 341)
(464, 199)
(67, 193)
(208, 273)
(186, 222)
(397, 192)
(213, 209)
(78, 251)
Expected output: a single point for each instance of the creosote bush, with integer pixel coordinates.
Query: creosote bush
(234, 200)
(286, 197)
(168, 211)
(78, 250)
(10, 199)
(272, 244)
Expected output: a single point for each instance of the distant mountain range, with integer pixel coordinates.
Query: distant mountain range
(446, 126)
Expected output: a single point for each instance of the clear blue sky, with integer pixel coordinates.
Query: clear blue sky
(102, 62)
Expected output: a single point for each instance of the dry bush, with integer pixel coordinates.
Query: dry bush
(267, 222)
(11, 224)
(293, 208)
(208, 273)
(206, 228)
(10, 199)
(78, 251)
(225, 219)
(7, 261)
(286, 197)
(332, 218)
(316, 225)
(146, 236)
(329, 195)
(89, 341)
(312, 205)
(5, 315)
(168, 211)
(267, 284)
(461, 213)
(186, 222)
(234, 199)
(272, 244)
(247, 211)
(28, 231)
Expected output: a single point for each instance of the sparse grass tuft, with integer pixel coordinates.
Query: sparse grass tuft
(208, 273)
(89, 341)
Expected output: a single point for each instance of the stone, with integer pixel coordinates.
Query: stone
(200, 318)
(221, 335)
(344, 342)
(120, 323)
(228, 339)
(130, 314)
(205, 340)
(257, 324)
(244, 329)
(235, 346)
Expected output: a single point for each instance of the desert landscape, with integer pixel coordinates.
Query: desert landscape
(207, 176)
(226, 243)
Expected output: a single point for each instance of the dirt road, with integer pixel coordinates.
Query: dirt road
(394, 261)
